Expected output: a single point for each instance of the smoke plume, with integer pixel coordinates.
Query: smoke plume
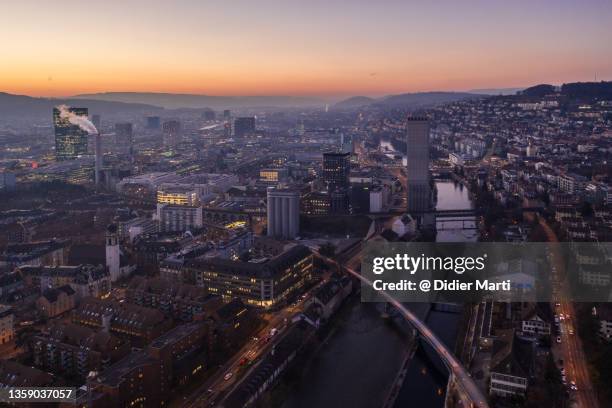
(80, 121)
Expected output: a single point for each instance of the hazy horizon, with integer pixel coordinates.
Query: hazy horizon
(313, 96)
(290, 48)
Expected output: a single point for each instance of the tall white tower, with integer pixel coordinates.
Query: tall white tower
(113, 254)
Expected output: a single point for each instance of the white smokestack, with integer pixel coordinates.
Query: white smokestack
(81, 121)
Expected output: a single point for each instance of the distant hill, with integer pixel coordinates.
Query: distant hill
(495, 91)
(422, 99)
(354, 102)
(176, 101)
(538, 90)
(23, 107)
(600, 90)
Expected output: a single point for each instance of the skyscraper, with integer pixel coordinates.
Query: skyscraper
(417, 154)
(70, 139)
(171, 132)
(153, 122)
(283, 213)
(336, 170)
(244, 126)
(209, 115)
(124, 138)
(96, 120)
(346, 143)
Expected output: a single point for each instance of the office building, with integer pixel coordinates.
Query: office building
(179, 218)
(124, 138)
(70, 139)
(336, 170)
(263, 284)
(283, 213)
(417, 154)
(359, 198)
(227, 114)
(316, 203)
(346, 143)
(177, 195)
(153, 122)
(171, 133)
(208, 115)
(244, 126)
(339, 201)
(273, 175)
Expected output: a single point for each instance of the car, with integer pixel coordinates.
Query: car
(210, 391)
(571, 331)
(227, 376)
(255, 338)
(573, 386)
(563, 370)
(558, 339)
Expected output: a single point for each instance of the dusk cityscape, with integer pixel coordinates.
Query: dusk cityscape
(245, 204)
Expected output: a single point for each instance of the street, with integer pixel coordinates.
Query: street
(570, 349)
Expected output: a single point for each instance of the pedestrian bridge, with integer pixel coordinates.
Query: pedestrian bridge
(469, 395)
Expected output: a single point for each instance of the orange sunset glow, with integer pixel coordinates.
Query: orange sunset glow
(295, 48)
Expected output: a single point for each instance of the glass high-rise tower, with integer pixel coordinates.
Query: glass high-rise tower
(417, 156)
(70, 139)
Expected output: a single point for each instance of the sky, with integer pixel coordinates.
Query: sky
(300, 47)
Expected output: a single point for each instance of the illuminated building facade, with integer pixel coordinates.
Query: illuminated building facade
(336, 170)
(273, 175)
(316, 203)
(266, 284)
(70, 140)
(177, 195)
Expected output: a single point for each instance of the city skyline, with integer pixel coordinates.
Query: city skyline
(294, 48)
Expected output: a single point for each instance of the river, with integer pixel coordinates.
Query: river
(363, 355)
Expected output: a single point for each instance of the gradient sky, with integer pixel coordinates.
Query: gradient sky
(291, 47)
